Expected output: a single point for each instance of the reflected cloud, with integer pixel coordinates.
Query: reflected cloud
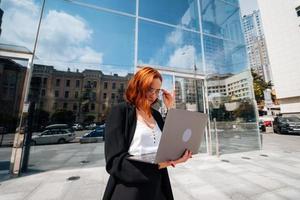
(183, 57)
(21, 14)
(63, 38)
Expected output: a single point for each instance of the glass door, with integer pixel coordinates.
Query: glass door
(189, 94)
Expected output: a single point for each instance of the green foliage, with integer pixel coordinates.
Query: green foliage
(63, 117)
(259, 85)
(245, 111)
(89, 119)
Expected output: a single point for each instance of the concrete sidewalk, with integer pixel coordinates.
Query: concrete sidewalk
(272, 173)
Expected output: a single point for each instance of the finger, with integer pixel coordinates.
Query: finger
(172, 163)
(165, 92)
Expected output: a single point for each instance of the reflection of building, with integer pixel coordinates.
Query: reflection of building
(185, 93)
(282, 32)
(236, 86)
(85, 93)
(12, 76)
(203, 33)
(256, 45)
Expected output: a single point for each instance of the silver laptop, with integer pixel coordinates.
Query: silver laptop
(182, 130)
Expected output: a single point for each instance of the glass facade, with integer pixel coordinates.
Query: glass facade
(85, 53)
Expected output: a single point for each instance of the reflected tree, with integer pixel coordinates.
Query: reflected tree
(63, 117)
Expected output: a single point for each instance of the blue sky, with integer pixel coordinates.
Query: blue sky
(247, 6)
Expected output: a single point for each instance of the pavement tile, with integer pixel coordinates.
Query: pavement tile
(268, 196)
(289, 193)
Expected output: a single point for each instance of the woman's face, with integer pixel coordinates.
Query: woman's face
(154, 90)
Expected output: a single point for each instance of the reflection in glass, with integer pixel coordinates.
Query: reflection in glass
(221, 19)
(12, 78)
(127, 6)
(232, 106)
(15, 16)
(85, 38)
(183, 13)
(85, 58)
(168, 47)
(222, 56)
(189, 94)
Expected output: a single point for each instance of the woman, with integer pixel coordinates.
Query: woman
(132, 128)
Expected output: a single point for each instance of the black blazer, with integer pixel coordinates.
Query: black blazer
(130, 179)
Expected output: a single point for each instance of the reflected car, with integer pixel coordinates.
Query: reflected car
(59, 126)
(286, 125)
(96, 135)
(77, 127)
(53, 136)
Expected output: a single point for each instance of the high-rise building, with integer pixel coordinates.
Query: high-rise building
(281, 20)
(256, 45)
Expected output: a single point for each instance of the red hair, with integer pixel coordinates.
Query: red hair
(138, 87)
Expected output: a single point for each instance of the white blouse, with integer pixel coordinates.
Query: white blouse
(145, 139)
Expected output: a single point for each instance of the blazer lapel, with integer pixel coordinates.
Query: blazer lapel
(131, 123)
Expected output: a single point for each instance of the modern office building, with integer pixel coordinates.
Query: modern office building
(256, 45)
(282, 32)
(195, 44)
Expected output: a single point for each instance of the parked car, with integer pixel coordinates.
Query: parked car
(286, 125)
(265, 121)
(77, 127)
(96, 135)
(91, 126)
(59, 126)
(52, 136)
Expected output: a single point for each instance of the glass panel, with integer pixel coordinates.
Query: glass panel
(170, 48)
(223, 57)
(182, 13)
(12, 78)
(119, 5)
(76, 56)
(189, 96)
(15, 15)
(78, 42)
(230, 97)
(221, 19)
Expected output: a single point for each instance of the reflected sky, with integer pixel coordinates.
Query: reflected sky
(87, 37)
(127, 6)
(168, 47)
(79, 37)
(224, 56)
(221, 19)
(182, 13)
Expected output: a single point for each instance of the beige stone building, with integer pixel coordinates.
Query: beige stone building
(88, 93)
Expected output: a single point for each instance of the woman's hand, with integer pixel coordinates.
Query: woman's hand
(168, 99)
(187, 154)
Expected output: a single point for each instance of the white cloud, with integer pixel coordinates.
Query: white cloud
(61, 27)
(89, 55)
(186, 18)
(25, 5)
(175, 37)
(183, 57)
(63, 38)
(19, 23)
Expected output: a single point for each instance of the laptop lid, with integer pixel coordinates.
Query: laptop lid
(182, 130)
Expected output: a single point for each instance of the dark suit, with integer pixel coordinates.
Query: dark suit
(129, 179)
